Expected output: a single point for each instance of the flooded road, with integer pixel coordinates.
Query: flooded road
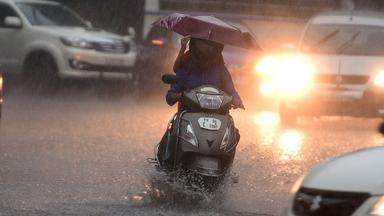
(76, 154)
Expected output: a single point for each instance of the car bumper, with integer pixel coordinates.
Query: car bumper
(362, 210)
(91, 64)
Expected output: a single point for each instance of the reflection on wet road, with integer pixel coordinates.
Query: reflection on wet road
(78, 155)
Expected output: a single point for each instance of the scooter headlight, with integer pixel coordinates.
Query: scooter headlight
(208, 101)
(225, 142)
(191, 136)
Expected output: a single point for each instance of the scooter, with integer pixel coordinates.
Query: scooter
(204, 137)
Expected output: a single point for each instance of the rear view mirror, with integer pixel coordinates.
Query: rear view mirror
(12, 22)
(169, 79)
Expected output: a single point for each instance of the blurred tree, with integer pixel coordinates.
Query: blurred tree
(112, 15)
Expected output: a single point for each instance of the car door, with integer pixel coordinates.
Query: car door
(10, 51)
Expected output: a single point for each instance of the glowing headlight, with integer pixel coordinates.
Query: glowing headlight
(267, 88)
(77, 42)
(290, 75)
(212, 102)
(1, 82)
(379, 79)
(296, 78)
(267, 65)
(378, 208)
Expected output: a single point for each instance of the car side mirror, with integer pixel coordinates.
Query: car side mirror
(12, 22)
(169, 79)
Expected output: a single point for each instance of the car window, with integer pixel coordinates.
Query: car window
(344, 39)
(50, 15)
(5, 11)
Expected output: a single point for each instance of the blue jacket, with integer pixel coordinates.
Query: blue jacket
(188, 77)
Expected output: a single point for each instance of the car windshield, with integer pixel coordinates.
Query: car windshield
(344, 39)
(50, 15)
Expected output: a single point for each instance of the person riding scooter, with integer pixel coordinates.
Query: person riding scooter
(203, 66)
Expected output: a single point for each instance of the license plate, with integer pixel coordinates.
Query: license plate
(209, 123)
(112, 61)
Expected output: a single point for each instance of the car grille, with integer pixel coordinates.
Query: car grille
(310, 202)
(118, 47)
(341, 79)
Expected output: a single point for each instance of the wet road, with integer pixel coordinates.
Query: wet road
(76, 154)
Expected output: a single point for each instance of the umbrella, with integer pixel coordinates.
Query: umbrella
(208, 28)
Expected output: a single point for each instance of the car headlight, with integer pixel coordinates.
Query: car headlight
(379, 79)
(295, 78)
(212, 102)
(378, 208)
(290, 75)
(266, 65)
(77, 42)
(1, 82)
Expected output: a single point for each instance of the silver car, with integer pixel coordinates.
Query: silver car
(46, 40)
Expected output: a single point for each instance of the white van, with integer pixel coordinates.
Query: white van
(346, 53)
(46, 39)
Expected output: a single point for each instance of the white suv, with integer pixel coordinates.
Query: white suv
(346, 54)
(45, 40)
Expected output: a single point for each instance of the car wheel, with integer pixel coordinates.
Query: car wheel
(288, 116)
(40, 74)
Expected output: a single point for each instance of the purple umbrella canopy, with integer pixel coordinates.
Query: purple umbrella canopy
(208, 28)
